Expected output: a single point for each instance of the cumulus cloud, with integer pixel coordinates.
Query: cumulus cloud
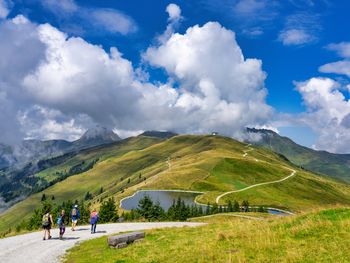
(174, 19)
(78, 77)
(174, 12)
(220, 88)
(59, 85)
(328, 113)
(47, 124)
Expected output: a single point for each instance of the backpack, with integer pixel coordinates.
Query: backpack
(59, 220)
(74, 212)
(46, 219)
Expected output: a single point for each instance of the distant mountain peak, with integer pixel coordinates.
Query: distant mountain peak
(98, 135)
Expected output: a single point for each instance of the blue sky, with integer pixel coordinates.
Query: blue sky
(291, 38)
(284, 64)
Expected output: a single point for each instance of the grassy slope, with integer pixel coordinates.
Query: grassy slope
(75, 187)
(335, 165)
(203, 163)
(321, 236)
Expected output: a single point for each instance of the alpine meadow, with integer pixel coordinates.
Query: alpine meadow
(174, 131)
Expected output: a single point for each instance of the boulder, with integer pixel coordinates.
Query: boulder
(122, 240)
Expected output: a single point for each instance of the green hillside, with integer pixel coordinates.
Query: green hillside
(335, 165)
(319, 236)
(211, 164)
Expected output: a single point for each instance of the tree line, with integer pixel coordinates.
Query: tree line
(146, 210)
(180, 211)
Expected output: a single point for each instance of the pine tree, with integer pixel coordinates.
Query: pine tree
(261, 209)
(229, 206)
(88, 196)
(129, 180)
(214, 209)
(200, 210)
(208, 210)
(53, 198)
(245, 206)
(157, 212)
(108, 211)
(145, 207)
(236, 207)
(43, 198)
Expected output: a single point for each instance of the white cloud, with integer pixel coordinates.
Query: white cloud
(328, 113)
(49, 124)
(112, 20)
(295, 37)
(174, 20)
(61, 6)
(81, 20)
(174, 12)
(249, 7)
(339, 67)
(4, 8)
(342, 49)
(64, 84)
(220, 90)
(300, 29)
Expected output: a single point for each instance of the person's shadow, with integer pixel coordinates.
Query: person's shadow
(81, 229)
(65, 238)
(101, 231)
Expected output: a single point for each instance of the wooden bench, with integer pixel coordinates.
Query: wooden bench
(123, 240)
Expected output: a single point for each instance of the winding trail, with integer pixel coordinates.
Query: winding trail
(245, 154)
(31, 248)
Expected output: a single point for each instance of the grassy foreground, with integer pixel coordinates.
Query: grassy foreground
(322, 236)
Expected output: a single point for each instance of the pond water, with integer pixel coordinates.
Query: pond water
(277, 212)
(164, 197)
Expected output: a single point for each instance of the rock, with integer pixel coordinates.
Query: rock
(128, 238)
(122, 245)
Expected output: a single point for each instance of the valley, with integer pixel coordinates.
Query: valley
(220, 167)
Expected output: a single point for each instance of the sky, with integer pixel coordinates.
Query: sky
(186, 66)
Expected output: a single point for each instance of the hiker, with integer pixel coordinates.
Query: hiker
(61, 222)
(47, 224)
(75, 214)
(93, 221)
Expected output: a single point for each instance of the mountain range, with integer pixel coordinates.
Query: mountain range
(32, 150)
(222, 168)
(331, 164)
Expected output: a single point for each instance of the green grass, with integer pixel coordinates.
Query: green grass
(211, 164)
(321, 236)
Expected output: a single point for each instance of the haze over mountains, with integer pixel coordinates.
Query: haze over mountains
(30, 150)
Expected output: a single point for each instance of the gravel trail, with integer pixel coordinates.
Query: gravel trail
(30, 248)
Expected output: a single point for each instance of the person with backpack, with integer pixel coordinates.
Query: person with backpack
(75, 214)
(93, 221)
(47, 223)
(61, 222)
